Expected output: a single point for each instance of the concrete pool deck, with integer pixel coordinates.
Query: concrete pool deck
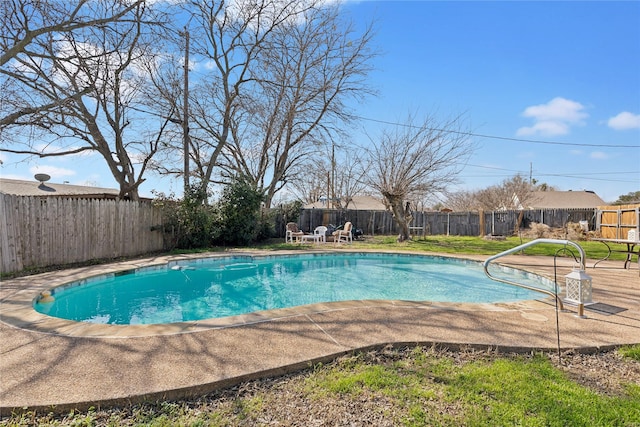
(53, 364)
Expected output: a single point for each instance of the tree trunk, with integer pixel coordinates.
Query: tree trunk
(520, 217)
(401, 215)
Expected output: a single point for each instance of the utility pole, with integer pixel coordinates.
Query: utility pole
(333, 175)
(328, 190)
(185, 118)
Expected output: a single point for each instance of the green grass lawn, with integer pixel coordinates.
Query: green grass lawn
(512, 390)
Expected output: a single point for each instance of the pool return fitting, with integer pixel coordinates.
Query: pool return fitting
(578, 282)
(45, 297)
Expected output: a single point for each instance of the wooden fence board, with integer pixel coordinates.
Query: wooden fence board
(39, 232)
(445, 223)
(9, 248)
(615, 222)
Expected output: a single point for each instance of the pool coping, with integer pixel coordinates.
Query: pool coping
(19, 311)
(50, 366)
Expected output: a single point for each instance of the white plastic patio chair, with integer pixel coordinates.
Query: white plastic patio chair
(293, 233)
(320, 234)
(343, 235)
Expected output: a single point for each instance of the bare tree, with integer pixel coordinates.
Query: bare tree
(229, 36)
(309, 68)
(311, 186)
(163, 97)
(28, 26)
(412, 160)
(91, 79)
(334, 177)
(512, 193)
(462, 201)
(349, 181)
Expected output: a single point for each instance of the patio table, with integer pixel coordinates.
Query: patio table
(315, 238)
(630, 249)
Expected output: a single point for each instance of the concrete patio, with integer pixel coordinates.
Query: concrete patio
(53, 364)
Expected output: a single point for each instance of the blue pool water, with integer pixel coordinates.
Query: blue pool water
(220, 287)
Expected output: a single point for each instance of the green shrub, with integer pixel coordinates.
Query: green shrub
(267, 225)
(240, 220)
(189, 222)
(291, 211)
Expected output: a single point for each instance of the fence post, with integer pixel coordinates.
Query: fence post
(373, 223)
(493, 222)
(448, 219)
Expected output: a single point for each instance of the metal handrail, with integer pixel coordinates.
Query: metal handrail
(526, 245)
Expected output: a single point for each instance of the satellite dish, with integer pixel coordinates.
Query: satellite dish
(42, 177)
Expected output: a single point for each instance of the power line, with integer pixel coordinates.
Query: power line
(590, 178)
(573, 175)
(504, 138)
(595, 173)
(491, 167)
(567, 173)
(583, 177)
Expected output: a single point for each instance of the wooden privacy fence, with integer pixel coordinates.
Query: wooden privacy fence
(615, 222)
(505, 222)
(39, 232)
(446, 223)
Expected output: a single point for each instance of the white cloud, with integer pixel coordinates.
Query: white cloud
(15, 176)
(599, 155)
(137, 158)
(544, 128)
(54, 172)
(553, 118)
(624, 121)
(558, 109)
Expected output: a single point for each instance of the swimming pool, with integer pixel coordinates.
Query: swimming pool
(228, 286)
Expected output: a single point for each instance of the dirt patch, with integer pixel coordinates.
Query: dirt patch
(604, 373)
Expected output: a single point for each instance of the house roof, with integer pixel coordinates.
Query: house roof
(361, 203)
(565, 199)
(49, 189)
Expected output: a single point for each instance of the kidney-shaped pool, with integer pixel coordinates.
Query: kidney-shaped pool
(228, 286)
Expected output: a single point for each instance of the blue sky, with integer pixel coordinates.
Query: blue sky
(543, 71)
(565, 74)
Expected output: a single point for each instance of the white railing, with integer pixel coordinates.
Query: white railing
(526, 245)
